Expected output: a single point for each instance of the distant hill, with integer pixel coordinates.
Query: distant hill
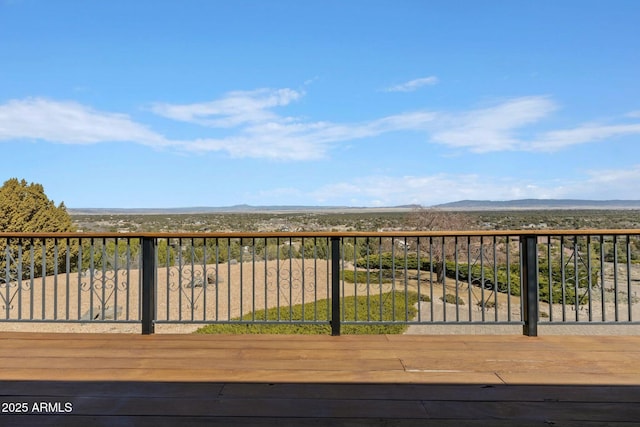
(524, 204)
(539, 204)
(233, 209)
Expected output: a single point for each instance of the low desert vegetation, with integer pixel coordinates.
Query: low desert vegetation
(375, 308)
(353, 221)
(452, 299)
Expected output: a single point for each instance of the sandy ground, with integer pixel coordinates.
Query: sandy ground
(235, 289)
(221, 293)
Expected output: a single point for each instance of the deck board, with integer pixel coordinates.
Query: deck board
(112, 379)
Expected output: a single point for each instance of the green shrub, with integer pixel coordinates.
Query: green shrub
(373, 276)
(389, 307)
(507, 281)
(619, 252)
(452, 299)
(502, 278)
(558, 294)
(567, 293)
(386, 261)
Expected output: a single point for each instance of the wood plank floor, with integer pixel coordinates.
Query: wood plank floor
(404, 380)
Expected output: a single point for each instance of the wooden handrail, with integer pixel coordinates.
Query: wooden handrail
(286, 234)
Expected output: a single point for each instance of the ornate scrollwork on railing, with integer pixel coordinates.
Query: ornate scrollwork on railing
(290, 280)
(9, 289)
(577, 278)
(481, 257)
(191, 282)
(102, 287)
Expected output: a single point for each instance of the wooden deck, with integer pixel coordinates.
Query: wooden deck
(161, 380)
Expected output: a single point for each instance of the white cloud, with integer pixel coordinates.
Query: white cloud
(256, 131)
(634, 114)
(262, 133)
(608, 184)
(391, 191)
(555, 140)
(266, 146)
(416, 120)
(504, 127)
(413, 85)
(427, 190)
(69, 123)
(442, 188)
(245, 124)
(493, 128)
(234, 109)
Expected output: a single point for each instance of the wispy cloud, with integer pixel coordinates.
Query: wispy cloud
(607, 184)
(556, 140)
(424, 190)
(506, 127)
(70, 123)
(296, 140)
(234, 109)
(412, 85)
(446, 187)
(248, 121)
(261, 132)
(494, 128)
(248, 124)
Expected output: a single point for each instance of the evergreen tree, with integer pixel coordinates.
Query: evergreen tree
(26, 208)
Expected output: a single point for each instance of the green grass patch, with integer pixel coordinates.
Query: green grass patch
(390, 306)
(360, 276)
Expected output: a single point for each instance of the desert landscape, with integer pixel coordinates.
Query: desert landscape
(105, 303)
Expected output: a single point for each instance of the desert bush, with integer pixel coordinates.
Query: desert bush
(424, 298)
(452, 299)
(507, 280)
(487, 304)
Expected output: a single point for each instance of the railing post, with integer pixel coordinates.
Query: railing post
(529, 246)
(335, 286)
(148, 285)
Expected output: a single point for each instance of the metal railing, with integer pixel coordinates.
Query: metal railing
(407, 278)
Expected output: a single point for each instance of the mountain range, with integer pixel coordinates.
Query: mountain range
(539, 204)
(475, 205)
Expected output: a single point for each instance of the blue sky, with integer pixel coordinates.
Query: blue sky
(158, 103)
